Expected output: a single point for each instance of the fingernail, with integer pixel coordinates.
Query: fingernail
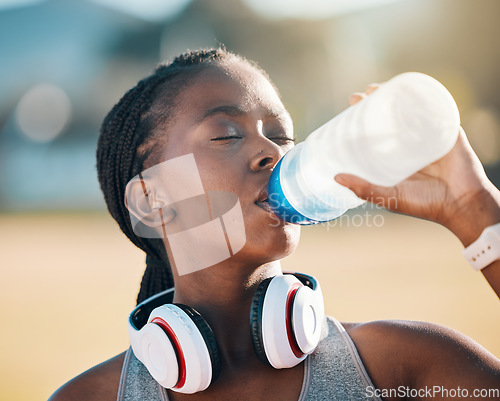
(340, 179)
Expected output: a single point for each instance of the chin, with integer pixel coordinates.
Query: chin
(267, 246)
(292, 236)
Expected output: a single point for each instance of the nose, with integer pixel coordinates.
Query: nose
(266, 157)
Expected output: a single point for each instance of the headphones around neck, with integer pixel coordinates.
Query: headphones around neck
(180, 350)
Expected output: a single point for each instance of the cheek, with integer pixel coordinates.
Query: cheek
(223, 176)
(218, 172)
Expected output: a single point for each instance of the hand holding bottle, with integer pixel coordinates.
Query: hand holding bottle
(453, 191)
(410, 122)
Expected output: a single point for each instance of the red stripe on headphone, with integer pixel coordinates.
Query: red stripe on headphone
(181, 361)
(289, 330)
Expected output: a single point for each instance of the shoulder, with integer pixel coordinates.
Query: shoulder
(397, 352)
(418, 340)
(98, 383)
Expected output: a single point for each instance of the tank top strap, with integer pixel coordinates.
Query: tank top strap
(335, 369)
(136, 383)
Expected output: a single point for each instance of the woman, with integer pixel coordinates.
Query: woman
(223, 110)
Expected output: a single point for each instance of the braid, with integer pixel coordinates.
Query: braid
(126, 141)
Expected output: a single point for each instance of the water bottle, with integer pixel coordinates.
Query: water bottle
(407, 123)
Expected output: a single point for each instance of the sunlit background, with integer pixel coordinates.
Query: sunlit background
(69, 277)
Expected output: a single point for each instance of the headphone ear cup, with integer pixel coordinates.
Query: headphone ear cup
(209, 337)
(272, 319)
(156, 351)
(183, 354)
(307, 318)
(256, 320)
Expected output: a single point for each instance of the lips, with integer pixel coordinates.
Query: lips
(264, 205)
(262, 202)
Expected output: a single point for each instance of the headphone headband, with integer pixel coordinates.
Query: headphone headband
(306, 279)
(139, 316)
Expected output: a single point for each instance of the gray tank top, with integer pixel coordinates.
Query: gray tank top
(334, 371)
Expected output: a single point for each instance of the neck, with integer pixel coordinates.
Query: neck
(223, 296)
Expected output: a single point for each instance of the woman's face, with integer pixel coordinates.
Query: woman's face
(233, 122)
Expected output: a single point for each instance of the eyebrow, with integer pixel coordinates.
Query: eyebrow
(230, 110)
(238, 111)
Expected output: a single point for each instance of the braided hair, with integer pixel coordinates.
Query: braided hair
(127, 142)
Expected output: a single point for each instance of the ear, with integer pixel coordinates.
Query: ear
(142, 205)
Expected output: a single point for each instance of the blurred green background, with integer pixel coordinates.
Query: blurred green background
(69, 277)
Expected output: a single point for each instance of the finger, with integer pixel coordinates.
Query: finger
(376, 194)
(371, 88)
(356, 97)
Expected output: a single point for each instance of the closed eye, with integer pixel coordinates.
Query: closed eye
(222, 138)
(282, 139)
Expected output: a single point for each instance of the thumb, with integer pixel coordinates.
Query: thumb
(377, 194)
